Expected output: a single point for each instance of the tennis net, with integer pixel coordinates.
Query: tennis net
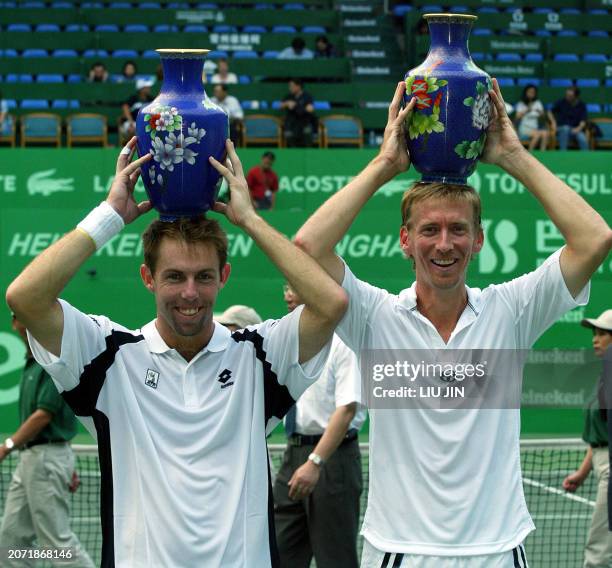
(562, 519)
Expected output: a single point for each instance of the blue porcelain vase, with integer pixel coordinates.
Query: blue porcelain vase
(182, 127)
(446, 133)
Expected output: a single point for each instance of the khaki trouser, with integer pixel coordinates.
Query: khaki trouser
(598, 549)
(37, 505)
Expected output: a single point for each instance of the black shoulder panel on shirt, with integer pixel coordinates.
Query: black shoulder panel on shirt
(82, 398)
(277, 399)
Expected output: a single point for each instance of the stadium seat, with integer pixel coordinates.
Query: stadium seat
(460, 9)
(218, 54)
(195, 29)
(107, 28)
(511, 57)
(62, 5)
(136, 29)
(32, 4)
(91, 53)
(321, 105)
(77, 28)
(284, 30)
(92, 5)
(542, 10)
(149, 6)
(34, 103)
(313, 30)
(50, 78)
(593, 108)
(65, 103)
(543, 33)
(567, 33)
(19, 78)
(595, 57)
(570, 11)
(254, 29)
(120, 6)
(8, 53)
(166, 28)
(245, 54)
(598, 12)
(567, 57)
(254, 105)
(597, 33)
(482, 32)
(47, 28)
(64, 53)
(293, 6)
(207, 6)
(264, 6)
(505, 81)
(340, 130)
(588, 83)
(74, 78)
(125, 54)
(524, 81)
(487, 10)
(40, 127)
(9, 137)
(262, 129)
(401, 10)
(11, 103)
(178, 6)
(431, 8)
(244, 79)
(224, 29)
(275, 105)
(35, 52)
(558, 82)
(270, 54)
(150, 54)
(608, 83)
(86, 128)
(534, 57)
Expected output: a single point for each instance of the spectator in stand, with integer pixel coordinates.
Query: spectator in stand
(299, 118)
(238, 317)
(223, 76)
(98, 73)
(5, 123)
(297, 50)
(231, 107)
(128, 73)
(323, 48)
(531, 119)
(263, 182)
(130, 108)
(570, 119)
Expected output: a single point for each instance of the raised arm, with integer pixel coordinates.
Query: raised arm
(320, 234)
(325, 301)
(33, 295)
(587, 235)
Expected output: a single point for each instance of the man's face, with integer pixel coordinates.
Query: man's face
(219, 93)
(601, 341)
(291, 298)
(441, 240)
(294, 88)
(266, 163)
(186, 282)
(570, 95)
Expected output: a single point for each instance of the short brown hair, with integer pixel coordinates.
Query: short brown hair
(193, 230)
(421, 191)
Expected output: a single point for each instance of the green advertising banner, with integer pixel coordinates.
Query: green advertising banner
(44, 193)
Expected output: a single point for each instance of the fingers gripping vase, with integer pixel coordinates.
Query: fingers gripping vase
(182, 127)
(447, 130)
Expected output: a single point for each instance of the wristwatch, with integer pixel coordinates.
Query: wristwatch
(316, 459)
(9, 444)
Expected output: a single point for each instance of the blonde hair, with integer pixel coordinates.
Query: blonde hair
(422, 191)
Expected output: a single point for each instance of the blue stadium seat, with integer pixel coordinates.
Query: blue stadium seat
(120, 6)
(487, 10)
(598, 12)
(401, 10)
(558, 82)
(77, 28)
(150, 54)
(570, 11)
(19, 78)
(64, 103)
(165, 29)
(293, 6)
(207, 6)
(34, 103)
(567, 33)
(8, 53)
(431, 8)
(136, 29)
(482, 32)
(244, 79)
(270, 54)
(49, 78)
(479, 56)
(47, 28)
(588, 82)
(534, 57)
(567, 57)
(224, 29)
(149, 6)
(125, 54)
(543, 33)
(106, 28)
(275, 105)
(593, 108)
(313, 30)
(195, 29)
(595, 57)
(90, 53)
(513, 57)
(460, 10)
(244, 54)
(524, 81)
(62, 5)
(542, 10)
(19, 28)
(74, 78)
(64, 53)
(94, 5)
(254, 105)
(32, 4)
(597, 33)
(218, 54)
(254, 29)
(321, 105)
(35, 52)
(10, 103)
(264, 6)
(178, 6)
(284, 30)
(505, 81)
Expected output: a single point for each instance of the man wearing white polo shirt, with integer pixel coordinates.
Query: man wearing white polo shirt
(445, 483)
(180, 407)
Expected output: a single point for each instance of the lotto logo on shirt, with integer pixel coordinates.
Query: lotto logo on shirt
(151, 378)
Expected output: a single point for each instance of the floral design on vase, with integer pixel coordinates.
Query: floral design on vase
(173, 148)
(481, 114)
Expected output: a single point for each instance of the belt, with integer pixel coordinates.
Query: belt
(42, 441)
(303, 440)
(604, 445)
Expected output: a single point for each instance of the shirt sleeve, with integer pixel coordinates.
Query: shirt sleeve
(364, 299)
(538, 299)
(345, 368)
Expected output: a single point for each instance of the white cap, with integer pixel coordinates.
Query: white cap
(142, 83)
(239, 315)
(604, 321)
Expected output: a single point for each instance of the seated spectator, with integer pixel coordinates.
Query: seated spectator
(98, 73)
(5, 124)
(323, 48)
(570, 119)
(209, 68)
(531, 119)
(297, 50)
(263, 182)
(223, 75)
(128, 73)
(300, 121)
(130, 108)
(231, 107)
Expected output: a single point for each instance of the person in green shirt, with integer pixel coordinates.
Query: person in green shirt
(37, 503)
(598, 549)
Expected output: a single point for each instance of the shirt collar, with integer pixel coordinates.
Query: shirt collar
(408, 299)
(218, 341)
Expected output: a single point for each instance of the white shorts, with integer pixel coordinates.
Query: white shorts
(373, 558)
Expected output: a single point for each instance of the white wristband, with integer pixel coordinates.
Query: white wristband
(102, 224)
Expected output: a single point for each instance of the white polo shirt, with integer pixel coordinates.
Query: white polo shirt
(182, 446)
(447, 482)
(338, 385)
